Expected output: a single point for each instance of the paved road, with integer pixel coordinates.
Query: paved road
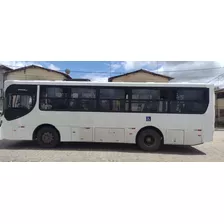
(29, 151)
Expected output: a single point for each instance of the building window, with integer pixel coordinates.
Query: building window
(220, 95)
(221, 112)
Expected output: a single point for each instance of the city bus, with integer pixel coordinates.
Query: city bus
(147, 114)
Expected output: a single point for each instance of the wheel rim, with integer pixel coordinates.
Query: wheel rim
(149, 140)
(47, 138)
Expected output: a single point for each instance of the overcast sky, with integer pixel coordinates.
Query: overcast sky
(193, 71)
(186, 71)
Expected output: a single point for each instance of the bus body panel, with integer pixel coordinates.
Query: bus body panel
(114, 127)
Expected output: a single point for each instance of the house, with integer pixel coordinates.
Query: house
(140, 75)
(31, 72)
(3, 70)
(34, 72)
(219, 106)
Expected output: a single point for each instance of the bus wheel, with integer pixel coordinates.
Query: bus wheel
(149, 140)
(48, 137)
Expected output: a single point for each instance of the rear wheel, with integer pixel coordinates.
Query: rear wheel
(48, 137)
(149, 140)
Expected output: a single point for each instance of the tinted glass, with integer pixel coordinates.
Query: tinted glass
(54, 104)
(145, 94)
(53, 98)
(112, 93)
(53, 92)
(67, 98)
(82, 104)
(150, 106)
(193, 95)
(20, 100)
(113, 105)
(88, 93)
(149, 100)
(187, 107)
(189, 101)
(127, 99)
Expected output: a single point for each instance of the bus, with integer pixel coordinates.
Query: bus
(147, 114)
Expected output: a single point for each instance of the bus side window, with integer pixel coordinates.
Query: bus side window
(189, 100)
(112, 99)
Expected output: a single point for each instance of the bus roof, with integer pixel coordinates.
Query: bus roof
(88, 83)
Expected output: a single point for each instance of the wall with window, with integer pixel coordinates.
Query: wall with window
(219, 104)
(2, 79)
(124, 99)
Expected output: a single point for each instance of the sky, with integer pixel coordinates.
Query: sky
(181, 71)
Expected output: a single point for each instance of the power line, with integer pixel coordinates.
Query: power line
(216, 77)
(164, 71)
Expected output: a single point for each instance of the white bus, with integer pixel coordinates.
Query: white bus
(146, 114)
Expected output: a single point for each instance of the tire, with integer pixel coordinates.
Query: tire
(149, 140)
(48, 137)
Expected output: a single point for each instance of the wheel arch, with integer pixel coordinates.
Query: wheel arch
(43, 126)
(152, 128)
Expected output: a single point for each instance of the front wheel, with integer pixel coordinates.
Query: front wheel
(48, 137)
(149, 140)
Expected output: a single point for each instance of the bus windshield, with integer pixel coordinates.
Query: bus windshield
(19, 101)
